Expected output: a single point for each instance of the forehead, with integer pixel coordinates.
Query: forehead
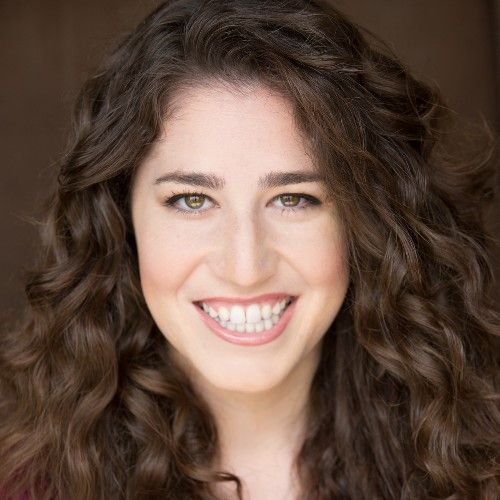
(226, 129)
(226, 101)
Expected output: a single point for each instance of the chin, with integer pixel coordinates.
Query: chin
(249, 380)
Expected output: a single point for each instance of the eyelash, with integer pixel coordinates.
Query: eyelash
(170, 203)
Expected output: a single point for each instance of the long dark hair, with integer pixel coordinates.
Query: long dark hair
(404, 403)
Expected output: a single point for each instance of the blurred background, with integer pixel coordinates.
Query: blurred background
(49, 47)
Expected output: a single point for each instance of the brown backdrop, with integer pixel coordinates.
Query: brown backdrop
(47, 47)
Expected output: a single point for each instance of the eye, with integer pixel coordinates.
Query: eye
(194, 201)
(292, 202)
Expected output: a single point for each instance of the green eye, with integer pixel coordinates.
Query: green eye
(194, 201)
(290, 200)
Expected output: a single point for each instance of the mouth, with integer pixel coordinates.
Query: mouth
(253, 326)
(244, 314)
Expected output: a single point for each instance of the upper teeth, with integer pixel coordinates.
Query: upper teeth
(253, 313)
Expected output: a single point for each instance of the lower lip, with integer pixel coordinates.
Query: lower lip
(249, 339)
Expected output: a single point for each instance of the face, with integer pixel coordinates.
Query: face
(242, 240)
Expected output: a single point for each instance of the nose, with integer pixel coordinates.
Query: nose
(244, 256)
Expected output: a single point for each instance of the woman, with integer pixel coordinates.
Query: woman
(261, 277)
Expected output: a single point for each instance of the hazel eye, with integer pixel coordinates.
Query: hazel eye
(194, 201)
(290, 200)
(292, 203)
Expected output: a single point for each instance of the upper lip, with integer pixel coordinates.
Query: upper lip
(240, 300)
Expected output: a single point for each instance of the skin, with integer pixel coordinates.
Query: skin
(240, 245)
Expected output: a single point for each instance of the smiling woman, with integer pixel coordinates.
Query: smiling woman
(253, 233)
(262, 276)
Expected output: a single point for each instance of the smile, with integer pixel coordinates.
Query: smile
(254, 317)
(254, 324)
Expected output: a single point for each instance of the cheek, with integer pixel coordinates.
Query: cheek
(166, 257)
(168, 253)
(319, 254)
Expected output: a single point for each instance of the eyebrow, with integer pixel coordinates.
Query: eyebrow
(211, 181)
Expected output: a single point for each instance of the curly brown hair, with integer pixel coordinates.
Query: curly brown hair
(404, 403)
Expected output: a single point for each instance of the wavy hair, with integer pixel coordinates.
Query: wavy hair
(404, 403)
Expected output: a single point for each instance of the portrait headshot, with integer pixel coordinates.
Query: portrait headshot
(263, 258)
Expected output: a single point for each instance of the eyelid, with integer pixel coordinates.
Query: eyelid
(312, 201)
(176, 196)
